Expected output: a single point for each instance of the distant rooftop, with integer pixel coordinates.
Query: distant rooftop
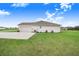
(40, 23)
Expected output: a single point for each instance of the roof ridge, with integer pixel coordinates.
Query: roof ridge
(40, 23)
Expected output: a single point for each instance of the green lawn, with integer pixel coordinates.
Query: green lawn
(55, 44)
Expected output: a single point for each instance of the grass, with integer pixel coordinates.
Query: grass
(43, 44)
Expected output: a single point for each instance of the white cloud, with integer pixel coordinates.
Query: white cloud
(43, 19)
(66, 6)
(58, 15)
(53, 17)
(70, 23)
(49, 15)
(3, 12)
(57, 9)
(20, 4)
(45, 3)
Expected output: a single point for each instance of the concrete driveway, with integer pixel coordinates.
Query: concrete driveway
(16, 35)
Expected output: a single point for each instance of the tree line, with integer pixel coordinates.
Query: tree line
(73, 28)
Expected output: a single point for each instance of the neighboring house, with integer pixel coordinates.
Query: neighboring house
(39, 26)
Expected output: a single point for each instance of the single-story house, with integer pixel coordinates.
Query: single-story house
(39, 26)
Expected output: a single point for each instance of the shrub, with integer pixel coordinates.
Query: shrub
(46, 31)
(52, 31)
(36, 31)
(18, 31)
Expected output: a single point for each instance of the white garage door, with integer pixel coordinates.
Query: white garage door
(26, 30)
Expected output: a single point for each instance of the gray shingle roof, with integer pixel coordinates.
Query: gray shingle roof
(40, 23)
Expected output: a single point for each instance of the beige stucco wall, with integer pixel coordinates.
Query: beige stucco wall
(30, 28)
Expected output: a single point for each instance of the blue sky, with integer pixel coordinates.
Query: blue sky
(66, 14)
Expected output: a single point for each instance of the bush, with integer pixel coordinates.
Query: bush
(52, 31)
(46, 31)
(18, 31)
(36, 31)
